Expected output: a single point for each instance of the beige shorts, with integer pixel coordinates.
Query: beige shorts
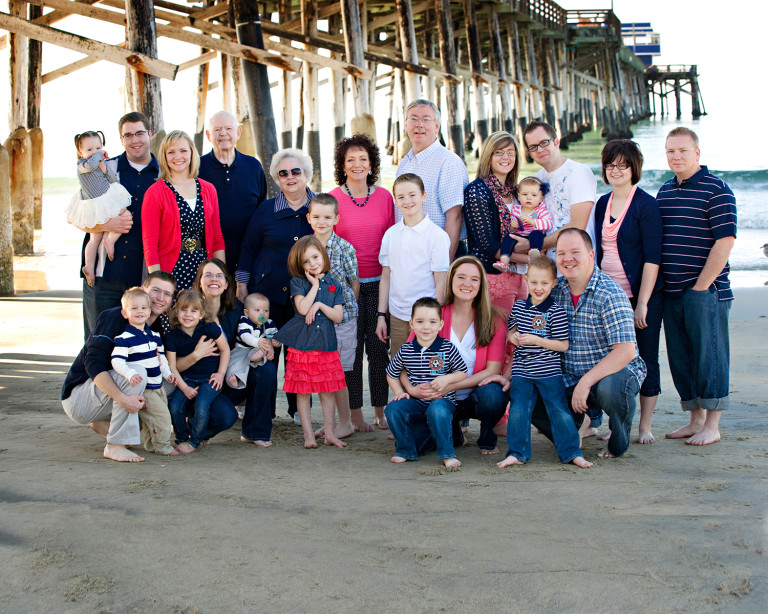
(346, 340)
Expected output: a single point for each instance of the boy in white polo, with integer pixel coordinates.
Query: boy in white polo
(414, 256)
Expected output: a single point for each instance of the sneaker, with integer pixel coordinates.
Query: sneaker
(500, 266)
(521, 269)
(533, 255)
(296, 419)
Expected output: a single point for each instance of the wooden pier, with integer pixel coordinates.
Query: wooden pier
(488, 65)
(665, 81)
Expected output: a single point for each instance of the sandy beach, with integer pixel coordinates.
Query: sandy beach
(237, 528)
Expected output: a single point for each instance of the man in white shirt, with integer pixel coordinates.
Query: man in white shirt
(573, 186)
(444, 174)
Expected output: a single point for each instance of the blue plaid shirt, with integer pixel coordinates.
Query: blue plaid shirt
(344, 268)
(602, 318)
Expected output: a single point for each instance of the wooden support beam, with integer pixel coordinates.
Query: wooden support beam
(507, 120)
(34, 81)
(476, 63)
(203, 58)
(18, 69)
(353, 40)
(408, 46)
(141, 37)
(448, 61)
(103, 51)
(311, 95)
(70, 68)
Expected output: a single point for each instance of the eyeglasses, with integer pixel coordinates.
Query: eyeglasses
(621, 167)
(543, 144)
(129, 135)
(420, 120)
(509, 153)
(217, 276)
(295, 172)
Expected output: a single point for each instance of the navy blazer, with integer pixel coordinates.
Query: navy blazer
(639, 239)
(267, 242)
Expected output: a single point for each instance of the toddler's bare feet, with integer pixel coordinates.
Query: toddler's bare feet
(398, 459)
(381, 422)
(494, 451)
(232, 380)
(256, 442)
(704, 437)
(510, 460)
(90, 278)
(605, 453)
(645, 437)
(344, 430)
(580, 462)
(333, 441)
(605, 436)
(451, 462)
(185, 448)
(533, 255)
(121, 454)
(110, 247)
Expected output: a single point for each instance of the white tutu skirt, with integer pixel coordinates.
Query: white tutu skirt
(93, 211)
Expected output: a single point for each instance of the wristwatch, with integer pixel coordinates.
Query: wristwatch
(381, 313)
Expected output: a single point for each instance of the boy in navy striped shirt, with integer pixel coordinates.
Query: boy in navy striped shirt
(141, 347)
(539, 328)
(431, 363)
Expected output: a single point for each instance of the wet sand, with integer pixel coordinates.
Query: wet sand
(237, 528)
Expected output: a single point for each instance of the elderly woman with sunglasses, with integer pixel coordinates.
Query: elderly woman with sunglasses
(274, 228)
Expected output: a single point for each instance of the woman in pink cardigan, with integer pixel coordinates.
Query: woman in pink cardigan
(477, 329)
(180, 214)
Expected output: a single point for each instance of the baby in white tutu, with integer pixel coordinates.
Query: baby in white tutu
(101, 197)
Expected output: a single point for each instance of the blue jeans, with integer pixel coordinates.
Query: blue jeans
(420, 427)
(696, 330)
(190, 416)
(487, 404)
(615, 395)
(524, 394)
(260, 395)
(536, 240)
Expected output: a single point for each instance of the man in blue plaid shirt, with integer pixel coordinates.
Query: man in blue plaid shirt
(602, 368)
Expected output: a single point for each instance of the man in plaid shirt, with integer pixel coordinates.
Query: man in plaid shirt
(602, 368)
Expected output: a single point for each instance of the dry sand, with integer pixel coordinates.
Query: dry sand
(237, 528)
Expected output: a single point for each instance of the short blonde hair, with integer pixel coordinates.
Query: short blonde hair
(136, 292)
(170, 138)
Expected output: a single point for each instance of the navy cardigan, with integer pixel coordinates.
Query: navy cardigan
(639, 239)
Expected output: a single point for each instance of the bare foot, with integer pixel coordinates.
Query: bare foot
(580, 462)
(110, 247)
(645, 437)
(174, 453)
(587, 431)
(451, 462)
(90, 279)
(704, 437)
(688, 430)
(381, 422)
(256, 442)
(121, 454)
(320, 432)
(344, 430)
(510, 460)
(605, 436)
(392, 437)
(494, 451)
(333, 441)
(605, 453)
(398, 459)
(185, 448)
(361, 426)
(205, 442)
(232, 380)
(310, 443)
(101, 427)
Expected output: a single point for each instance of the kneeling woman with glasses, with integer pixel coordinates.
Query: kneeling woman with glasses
(275, 226)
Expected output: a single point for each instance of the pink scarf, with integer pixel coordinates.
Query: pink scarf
(611, 229)
(499, 193)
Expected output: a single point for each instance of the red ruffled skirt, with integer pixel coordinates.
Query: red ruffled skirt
(313, 371)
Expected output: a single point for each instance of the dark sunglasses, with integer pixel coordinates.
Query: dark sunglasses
(295, 172)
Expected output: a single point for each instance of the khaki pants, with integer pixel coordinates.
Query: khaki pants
(398, 334)
(156, 422)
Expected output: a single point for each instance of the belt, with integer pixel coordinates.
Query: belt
(191, 245)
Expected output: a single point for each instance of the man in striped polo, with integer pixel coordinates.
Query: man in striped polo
(698, 212)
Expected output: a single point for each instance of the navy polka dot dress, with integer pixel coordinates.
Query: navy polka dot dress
(192, 227)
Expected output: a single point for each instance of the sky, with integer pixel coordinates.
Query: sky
(726, 47)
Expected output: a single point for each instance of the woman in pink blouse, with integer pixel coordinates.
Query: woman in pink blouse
(366, 211)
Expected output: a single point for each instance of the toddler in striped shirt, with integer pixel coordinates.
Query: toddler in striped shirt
(139, 346)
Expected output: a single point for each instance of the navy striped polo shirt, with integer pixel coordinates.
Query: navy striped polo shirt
(547, 320)
(695, 213)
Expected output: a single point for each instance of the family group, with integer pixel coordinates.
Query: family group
(512, 301)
